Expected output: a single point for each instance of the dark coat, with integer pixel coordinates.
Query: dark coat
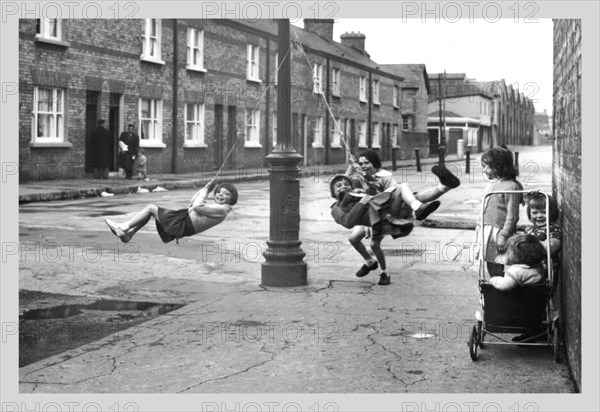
(101, 142)
(132, 140)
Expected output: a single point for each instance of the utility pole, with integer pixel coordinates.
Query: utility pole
(284, 264)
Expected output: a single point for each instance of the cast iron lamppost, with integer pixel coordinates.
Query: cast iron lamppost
(284, 264)
(442, 146)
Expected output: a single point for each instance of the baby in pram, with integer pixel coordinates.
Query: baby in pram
(524, 257)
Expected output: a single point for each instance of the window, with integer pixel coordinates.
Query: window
(336, 132)
(395, 136)
(376, 92)
(407, 122)
(318, 132)
(362, 89)
(395, 94)
(151, 123)
(194, 125)
(195, 49)
(376, 133)
(335, 82)
(50, 29)
(48, 115)
(318, 78)
(252, 127)
(253, 69)
(362, 134)
(151, 41)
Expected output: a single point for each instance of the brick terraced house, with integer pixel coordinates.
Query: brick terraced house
(194, 88)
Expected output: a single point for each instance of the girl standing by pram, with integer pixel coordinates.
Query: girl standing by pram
(501, 211)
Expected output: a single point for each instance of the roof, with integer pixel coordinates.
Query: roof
(446, 113)
(315, 42)
(413, 74)
(458, 85)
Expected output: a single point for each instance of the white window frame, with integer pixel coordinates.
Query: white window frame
(253, 62)
(376, 92)
(252, 128)
(407, 123)
(147, 39)
(376, 136)
(336, 85)
(362, 133)
(154, 136)
(362, 89)
(336, 131)
(395, 135)
(195, 44)
(56, 113)
(45, 29)
(317, 78)
(318, 132)
(197, 122)
(395, 94)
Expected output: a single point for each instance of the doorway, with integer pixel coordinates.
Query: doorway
(218, 152)
(232, 135)
(91, 120)
(114, 125)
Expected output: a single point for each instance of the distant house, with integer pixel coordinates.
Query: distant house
(412, 99)
(542, 131)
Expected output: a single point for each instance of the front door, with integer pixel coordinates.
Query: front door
(114, 125)
(232, 134)
(91, 120)
(218, 136)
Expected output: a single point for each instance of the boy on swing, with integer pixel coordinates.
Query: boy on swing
(175, 224)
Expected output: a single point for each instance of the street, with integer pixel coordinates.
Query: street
(233, 334)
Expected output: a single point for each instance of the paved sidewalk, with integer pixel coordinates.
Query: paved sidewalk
(62, 189)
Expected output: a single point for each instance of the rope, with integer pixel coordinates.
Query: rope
(239, 134)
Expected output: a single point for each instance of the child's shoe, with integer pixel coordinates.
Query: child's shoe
(384, 279)
(426, 209)
(117, 231)
(364, 269)
(446, 177)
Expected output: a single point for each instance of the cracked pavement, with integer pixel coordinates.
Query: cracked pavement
(338, 334)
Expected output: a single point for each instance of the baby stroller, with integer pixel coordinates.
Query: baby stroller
(526, 310)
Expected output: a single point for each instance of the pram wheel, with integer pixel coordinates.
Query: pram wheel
(473, 342)
(480, 334)
(556, 342)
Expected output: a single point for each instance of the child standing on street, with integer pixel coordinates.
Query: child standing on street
(501, 211)
(141, 161)
(175, 224)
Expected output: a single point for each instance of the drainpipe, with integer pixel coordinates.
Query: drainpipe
(269, 146)
(327, 119)
(370, 113)
(174, 104)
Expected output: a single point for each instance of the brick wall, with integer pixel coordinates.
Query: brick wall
(567, 181)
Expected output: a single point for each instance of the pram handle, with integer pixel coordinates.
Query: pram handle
(482, 266)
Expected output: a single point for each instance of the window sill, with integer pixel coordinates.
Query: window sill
(56, 42)
(362, 146)
(376, 103)
(49, 144)
(152, 144)
(318, 146)
(196, 69)
(362, 101)
(250, 145)
(250, 79)
(187, 145)
(336, 146)
(396, 107)
(151, 60)
(336, 96)
(375, 146)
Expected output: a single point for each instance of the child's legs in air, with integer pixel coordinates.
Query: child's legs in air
(138, 221)
(402, 194)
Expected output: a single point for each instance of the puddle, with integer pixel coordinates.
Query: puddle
(105, 213)
(54, 330)
(66, 311)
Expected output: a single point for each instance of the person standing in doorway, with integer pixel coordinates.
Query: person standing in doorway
(101, 142)
(132, 141)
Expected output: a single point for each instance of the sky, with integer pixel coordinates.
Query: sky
(520, 53)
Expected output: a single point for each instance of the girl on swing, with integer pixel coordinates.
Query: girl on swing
(175, 224)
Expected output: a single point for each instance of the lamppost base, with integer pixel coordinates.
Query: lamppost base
(284, 274)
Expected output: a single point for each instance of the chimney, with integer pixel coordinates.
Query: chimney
(355, 40)
(320, 27)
